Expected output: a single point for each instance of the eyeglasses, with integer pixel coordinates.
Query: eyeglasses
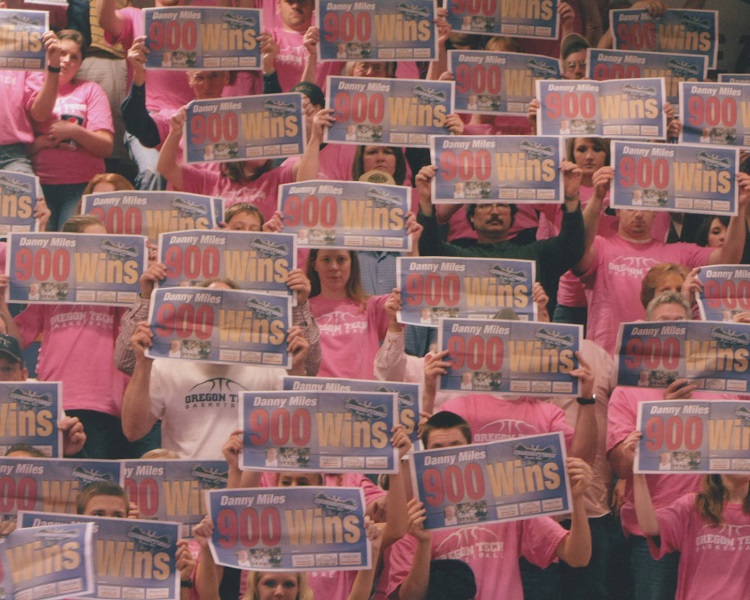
(572, 64)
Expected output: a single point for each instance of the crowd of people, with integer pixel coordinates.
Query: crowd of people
(97, 120)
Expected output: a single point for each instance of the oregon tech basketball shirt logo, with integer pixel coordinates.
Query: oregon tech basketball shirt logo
(215, 392)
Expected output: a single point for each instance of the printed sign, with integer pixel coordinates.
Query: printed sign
(693, 436)
(290, 529)
(383, 30)
(247, 127)
(726, 292)
(387, 112)
(715, 113)
(133, 557)
(505, 17)
(150, 213)
(346, 214)
(18, 196)
(508, 168)
(69, 268)
(194, 37)
(172, 490)
(220, 326)
(253, 260)
(333, 432)
(474, 288)
(498, 83)
(21, 45)
(623, 108)
(408, 395)
(49, 485)
(734, 77)
(676, 31)
(49, 562)
(712, 356)
(29, 413)
(509, 480)
(685, 178)
(602, 65)
(520, 357)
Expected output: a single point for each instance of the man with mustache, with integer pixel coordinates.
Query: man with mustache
(492, 222)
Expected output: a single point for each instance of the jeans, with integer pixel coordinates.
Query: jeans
(13, 158)
(538, 583)
(62, 200)
(652, 579)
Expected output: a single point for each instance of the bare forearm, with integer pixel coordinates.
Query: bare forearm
(417, 581)
(137, 419)
(98, 143)
(621, 461)
(167, 163)
(644, 507)
(576, 547)
(109, 18)
(586, 433)
(44, 103)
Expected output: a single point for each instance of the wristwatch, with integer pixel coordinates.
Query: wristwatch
(586, 401)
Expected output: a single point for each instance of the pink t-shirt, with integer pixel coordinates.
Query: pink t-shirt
(613, 281)
(714, 559)
(83, 102)
(349, 336)
(78, 349)
(491, 550)
(334, 585)
(492, 418)
(263, 192)
(164, 89)
(621, 420)
(17, 89)
(290, 61)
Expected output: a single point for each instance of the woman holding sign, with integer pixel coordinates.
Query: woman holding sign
(70, 146)
(253, 181)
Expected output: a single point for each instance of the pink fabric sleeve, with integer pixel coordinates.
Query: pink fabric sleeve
(30, 323)
(377, 315)
(98, 111)
(540, 538)
(673, 521)
(127, 35)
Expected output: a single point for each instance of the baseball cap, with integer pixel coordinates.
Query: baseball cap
(10, 346)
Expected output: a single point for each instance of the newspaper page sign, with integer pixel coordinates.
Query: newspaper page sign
(246, 127)
(498, 83)
(172, 490)
(253, 260)
(134, 558)
(538, 20)
(70, 268)
(693, 436)
(386, 30)
(346, 214)
(21, 45)
(623, 108)
(715, 113)
(147, 213)
(18, 196)
(675, 32)
(49, 485)
(201, 38)
(49, 562)
(726, 292)
(509, 480)
(290, 529)
(711, 355)
(475, 288)
(508, 168)
(602, 65)
(29, 413)
(408, 395)
(387, 112)
(669, 177)
(734, 77)
(220, 326)
(331, 432)
(503, 357)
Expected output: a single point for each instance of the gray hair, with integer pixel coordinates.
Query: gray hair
(668, 298)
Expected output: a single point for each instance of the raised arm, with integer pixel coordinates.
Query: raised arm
(137, 419)
(109, 18)
(575, 548)
(734, 242)
(308, 166)
(417, 581)
(586, 431)
(44, 103)
(167, 163)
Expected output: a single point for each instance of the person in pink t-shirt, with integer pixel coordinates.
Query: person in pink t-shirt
(492, 550)
(70, 146)
(611, 270)
(709, 530)
(253, 181)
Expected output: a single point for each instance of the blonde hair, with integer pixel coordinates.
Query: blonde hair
(159, 453)
(253, 577)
